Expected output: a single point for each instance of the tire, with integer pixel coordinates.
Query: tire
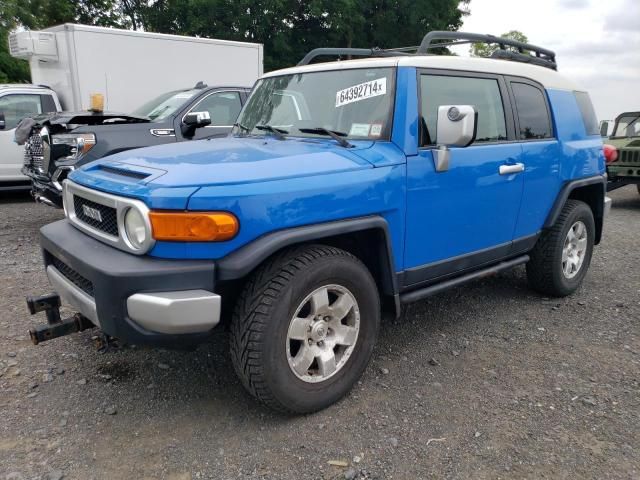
(269, 346)
(547, 269)
(638, 187)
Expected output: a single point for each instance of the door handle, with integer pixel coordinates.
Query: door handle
(514, 168)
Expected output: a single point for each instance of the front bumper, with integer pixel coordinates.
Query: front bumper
(140, 300)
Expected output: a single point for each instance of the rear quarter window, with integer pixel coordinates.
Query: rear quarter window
(588, 113)
(533, 116)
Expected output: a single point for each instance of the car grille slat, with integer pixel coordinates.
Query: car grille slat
(108, 216)
(74, 277)
(630, 156)
(34, 152)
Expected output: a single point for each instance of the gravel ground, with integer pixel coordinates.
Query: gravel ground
(486, 381)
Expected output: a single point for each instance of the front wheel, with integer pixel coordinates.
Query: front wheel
(304, 328)
(561, 257)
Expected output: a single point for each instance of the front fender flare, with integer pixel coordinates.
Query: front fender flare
(244, 260)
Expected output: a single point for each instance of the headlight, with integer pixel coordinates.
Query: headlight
(77, 144)
(135, 228)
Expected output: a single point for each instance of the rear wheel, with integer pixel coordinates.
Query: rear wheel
(304, 328)
(561, 257)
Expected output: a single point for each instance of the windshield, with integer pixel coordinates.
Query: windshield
(165, 105)
(353, 103)
(627, 127)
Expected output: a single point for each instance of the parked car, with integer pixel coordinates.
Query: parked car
(17, 102)
(67, 140)
(347, 189)
(623, 152)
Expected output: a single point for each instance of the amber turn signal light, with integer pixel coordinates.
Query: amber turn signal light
(193, 226)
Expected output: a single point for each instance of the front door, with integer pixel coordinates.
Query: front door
(465, 216)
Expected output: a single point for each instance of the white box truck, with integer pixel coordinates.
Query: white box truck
(128, 68)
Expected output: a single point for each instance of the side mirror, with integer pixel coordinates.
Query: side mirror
(197, 119)
(3, 124)
(194, 120)
(604, 128)
(457, 127)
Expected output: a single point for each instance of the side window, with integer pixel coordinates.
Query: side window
(48, 105)
(588, 113)
(532, 112)
(482, 93)
(18, 106)
(223, 107)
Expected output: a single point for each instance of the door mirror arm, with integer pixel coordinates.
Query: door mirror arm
(457, 127)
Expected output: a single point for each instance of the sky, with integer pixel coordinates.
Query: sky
(597, 42)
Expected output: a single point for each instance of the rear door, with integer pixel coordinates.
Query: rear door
(463, 217)
(541, 154)
(15, 107)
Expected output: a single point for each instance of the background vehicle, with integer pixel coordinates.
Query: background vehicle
(623, 165)
(128, 68)
(77, 138)
(348, 189)
(17, 102)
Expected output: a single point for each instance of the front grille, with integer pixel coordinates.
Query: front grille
(74, 277)
(630, 156)
(34, 152)
(106, 221)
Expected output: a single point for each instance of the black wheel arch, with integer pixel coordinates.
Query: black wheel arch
(590, 190)
(367, 238)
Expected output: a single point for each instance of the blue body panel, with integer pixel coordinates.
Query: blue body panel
(467, 208)
(299, 201)
(549, 164)
(271, 184)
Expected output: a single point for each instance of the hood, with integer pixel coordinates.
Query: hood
(88, 118)
(224, 161)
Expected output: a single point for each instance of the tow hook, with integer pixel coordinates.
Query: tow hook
(55, 326)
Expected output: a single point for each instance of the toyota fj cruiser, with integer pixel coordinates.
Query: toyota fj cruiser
(346, 190)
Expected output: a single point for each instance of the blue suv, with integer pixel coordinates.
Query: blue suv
(346, 190)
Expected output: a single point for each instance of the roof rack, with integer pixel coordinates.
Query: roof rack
(353, 52)
(542, 57)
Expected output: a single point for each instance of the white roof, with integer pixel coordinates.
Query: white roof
(23, 86)
(545, 76)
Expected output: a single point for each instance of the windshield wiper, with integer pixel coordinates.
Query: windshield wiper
(337, 136)
(279, 133)
(242, 127)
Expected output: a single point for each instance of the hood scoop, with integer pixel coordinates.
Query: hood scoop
(124, 172)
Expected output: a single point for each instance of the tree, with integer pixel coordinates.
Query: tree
(290, 28)
(287, 28)
(485, 49)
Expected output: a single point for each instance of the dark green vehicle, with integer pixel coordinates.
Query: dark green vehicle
(622, 152)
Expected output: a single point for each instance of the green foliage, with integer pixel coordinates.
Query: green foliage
(290, 28)
(485, 50)
(287, 28)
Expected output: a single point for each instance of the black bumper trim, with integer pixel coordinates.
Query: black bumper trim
(116, 275)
